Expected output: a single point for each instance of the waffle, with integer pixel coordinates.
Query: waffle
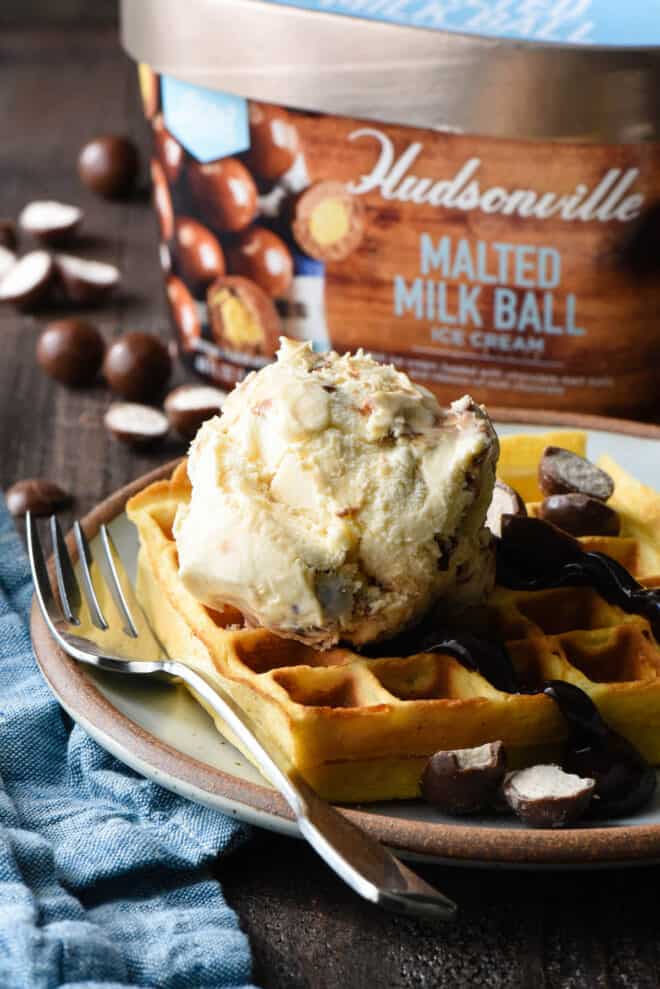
(362, 729)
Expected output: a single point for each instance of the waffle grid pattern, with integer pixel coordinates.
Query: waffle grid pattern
(361, 729)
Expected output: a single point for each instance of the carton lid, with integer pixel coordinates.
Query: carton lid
(612, 23)
(571, 70)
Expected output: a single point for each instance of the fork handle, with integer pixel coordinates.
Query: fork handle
(360, 860)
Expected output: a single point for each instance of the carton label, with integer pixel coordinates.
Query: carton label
(522, 272)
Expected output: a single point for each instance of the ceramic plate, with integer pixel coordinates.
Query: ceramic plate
(162, 733)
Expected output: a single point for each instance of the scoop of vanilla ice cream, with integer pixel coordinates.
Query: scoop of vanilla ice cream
(336, 500)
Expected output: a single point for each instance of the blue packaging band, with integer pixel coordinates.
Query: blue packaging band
(304, 265)
(209, 124)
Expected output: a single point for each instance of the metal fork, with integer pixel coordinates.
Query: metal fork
(360, 860)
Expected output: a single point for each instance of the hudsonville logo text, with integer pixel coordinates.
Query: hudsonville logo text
(611, 199)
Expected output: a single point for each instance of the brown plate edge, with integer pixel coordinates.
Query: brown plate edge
(505, 846)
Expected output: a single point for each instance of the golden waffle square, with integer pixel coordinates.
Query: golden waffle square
(362, 729)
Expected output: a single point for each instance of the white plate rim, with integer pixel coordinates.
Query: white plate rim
(444, 842)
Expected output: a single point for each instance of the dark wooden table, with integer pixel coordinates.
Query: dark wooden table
(559, 930)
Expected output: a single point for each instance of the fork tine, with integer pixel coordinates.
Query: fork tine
(114, 584)
(42, 586)
(84, 559)
(67, 583)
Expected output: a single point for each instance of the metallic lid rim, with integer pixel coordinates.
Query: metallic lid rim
(348, 66)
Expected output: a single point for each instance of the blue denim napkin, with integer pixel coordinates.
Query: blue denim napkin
(103, 879)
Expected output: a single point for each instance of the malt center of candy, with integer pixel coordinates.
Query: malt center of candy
(240, 327)
(329, 221)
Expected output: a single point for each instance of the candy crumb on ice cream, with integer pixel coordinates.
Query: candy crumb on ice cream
(335, 500)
